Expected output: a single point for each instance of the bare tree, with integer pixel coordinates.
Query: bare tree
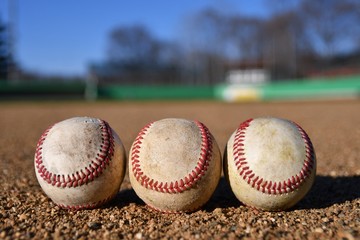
(205, 31)
(205, 46)
(132, 44)
(285, 44)
(246, 35)
(5, 60)
(332, 24)
(135, 56)
(297, 34)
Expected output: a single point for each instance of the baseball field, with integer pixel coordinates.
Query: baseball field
(331, 210)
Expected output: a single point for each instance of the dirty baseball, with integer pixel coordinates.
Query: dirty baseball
(80, 162)
(270, 163)
(175, 165)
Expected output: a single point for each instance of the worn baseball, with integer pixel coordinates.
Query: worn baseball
(80, 162)
(270, 163)
(175, 165)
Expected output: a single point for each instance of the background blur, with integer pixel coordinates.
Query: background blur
(226, 49)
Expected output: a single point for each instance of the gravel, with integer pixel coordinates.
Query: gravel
(331, 210)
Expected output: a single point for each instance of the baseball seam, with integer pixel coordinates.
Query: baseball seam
(268, 186)
(182, 184)
(82, 176)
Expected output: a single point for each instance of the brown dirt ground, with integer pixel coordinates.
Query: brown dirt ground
(331, 210)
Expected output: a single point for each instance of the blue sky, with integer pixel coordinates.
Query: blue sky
(62, 37)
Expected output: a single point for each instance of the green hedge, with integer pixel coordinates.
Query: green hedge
(296, 89)
(314, 88)
(156, 92)
(41, 88)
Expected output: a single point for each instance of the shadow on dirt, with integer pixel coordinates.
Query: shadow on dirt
(325, 192)
(223, 197)
(328, 191)
(126, 197)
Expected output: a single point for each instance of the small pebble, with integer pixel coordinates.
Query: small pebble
(94, 225)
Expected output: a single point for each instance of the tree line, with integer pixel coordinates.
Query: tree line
(6, 60)
(299, 38)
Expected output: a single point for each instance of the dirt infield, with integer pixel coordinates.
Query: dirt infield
(330, 210)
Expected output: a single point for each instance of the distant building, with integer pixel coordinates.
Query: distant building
(247, 76)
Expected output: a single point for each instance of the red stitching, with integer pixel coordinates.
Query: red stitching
(259, 183)
(82, 176)
(182, 184)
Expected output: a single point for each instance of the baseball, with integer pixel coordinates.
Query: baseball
(175, 165)
(270, 163)
(80, 163)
